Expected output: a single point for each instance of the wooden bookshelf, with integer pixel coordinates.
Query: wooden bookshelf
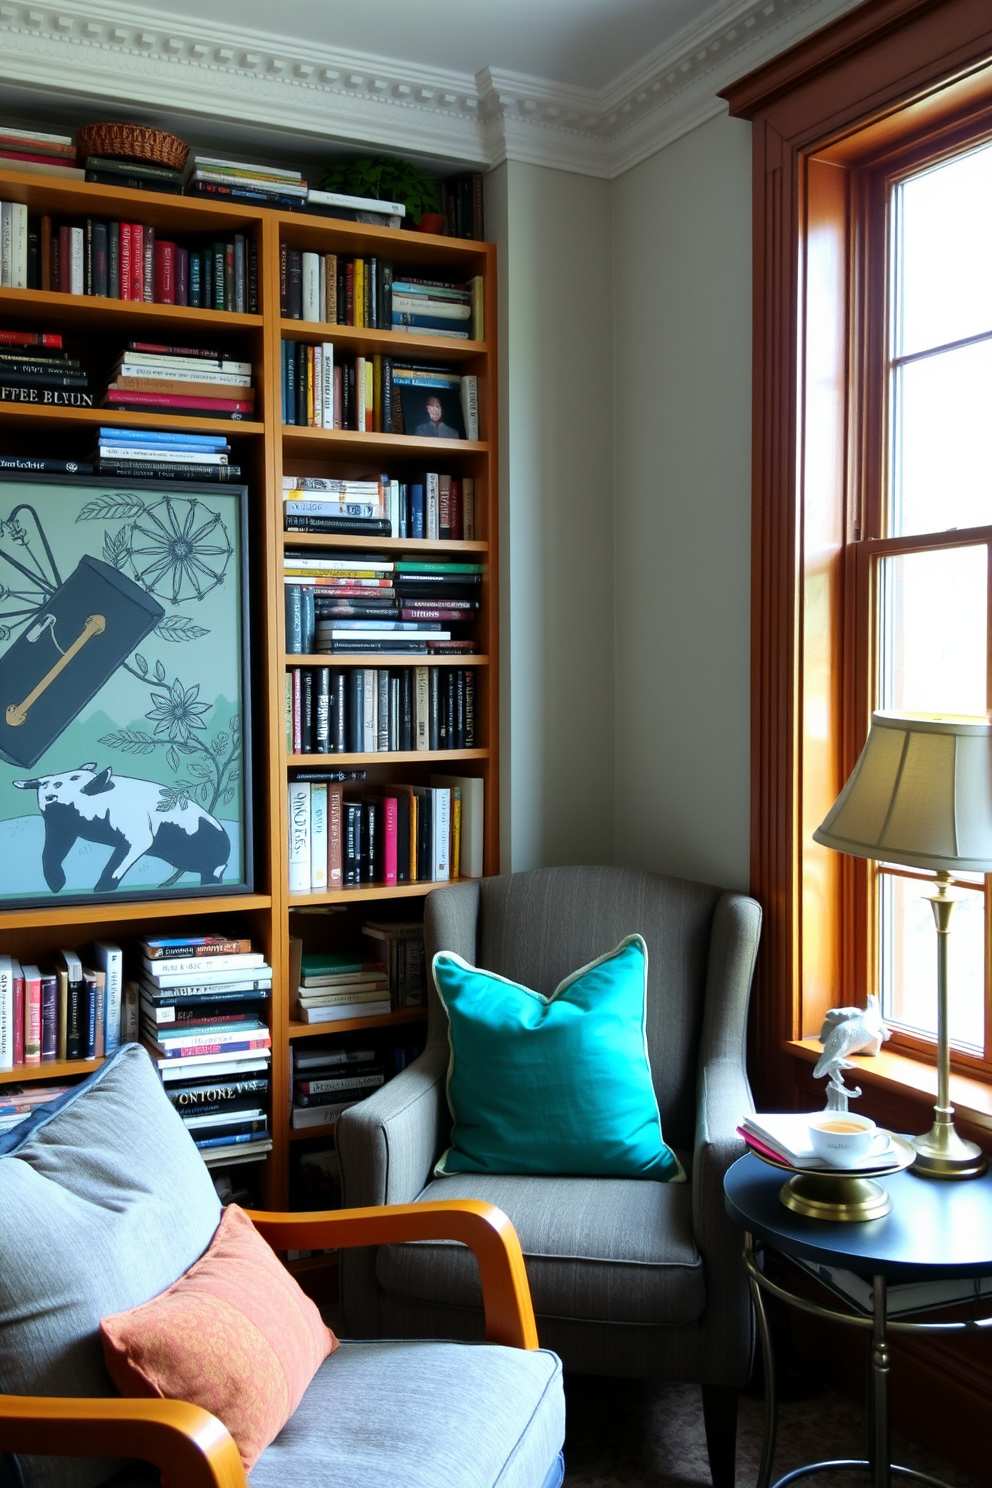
(266, 449)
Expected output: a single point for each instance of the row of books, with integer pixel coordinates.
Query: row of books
(375, 394)
(126, 261)
(202, 1003)
(375, 710)
(343, 837)
(72, 1009)
(273, 186)
(326, 1081)
(159, 454)
(434, 506)
(461, 201)
(333, 289)
(403, 601)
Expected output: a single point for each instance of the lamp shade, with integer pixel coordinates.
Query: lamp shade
(920, 795)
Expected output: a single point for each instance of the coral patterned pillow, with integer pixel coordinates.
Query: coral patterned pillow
(235, 1334)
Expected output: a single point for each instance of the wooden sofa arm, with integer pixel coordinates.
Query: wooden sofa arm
(484, 1228)
(190, 1446)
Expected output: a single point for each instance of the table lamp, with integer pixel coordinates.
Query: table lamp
(921, 795)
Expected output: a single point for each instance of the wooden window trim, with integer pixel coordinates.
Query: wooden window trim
(843, 96)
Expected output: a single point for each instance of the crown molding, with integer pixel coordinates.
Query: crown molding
(150, 60)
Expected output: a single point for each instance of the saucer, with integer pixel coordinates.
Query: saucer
(905, 1155)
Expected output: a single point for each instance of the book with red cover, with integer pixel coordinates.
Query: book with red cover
(125, 261)
(18, 978)
(65, 259)
(137, 261)
(30, 338)
(35, 159)
(335, 835)
(128, 398)
(147, 265)
(32, 1015)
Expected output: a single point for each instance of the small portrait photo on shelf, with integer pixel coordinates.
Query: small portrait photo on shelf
(124, 703)
(432, 413)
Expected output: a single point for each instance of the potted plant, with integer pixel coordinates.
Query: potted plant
(388, 178)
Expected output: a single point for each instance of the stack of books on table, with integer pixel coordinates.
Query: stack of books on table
(38, 153)
(328, 1081)
(35, 369)
(238, 181)
(18, 1102)
(69, 1009)
(316, 504)
(203, 1001)
(340, 984)
(161, 454)
(204, 383)
(784, 1137)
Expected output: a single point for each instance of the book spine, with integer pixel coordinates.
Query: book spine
(310, 287)
(335, 835)
(6, 1014)
(32, 1017)
(389, 840)
(299, 837)
(49, 1018)
(137, 262)
(318, 836)
(422, 708)
(148, 265)
(18, 1006)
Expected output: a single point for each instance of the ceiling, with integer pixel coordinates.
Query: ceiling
(592, 86)
(587, 43)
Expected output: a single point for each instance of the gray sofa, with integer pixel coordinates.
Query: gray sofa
(629, 1278)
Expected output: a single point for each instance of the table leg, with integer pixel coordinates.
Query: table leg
(879, 1445)
(768, 1362)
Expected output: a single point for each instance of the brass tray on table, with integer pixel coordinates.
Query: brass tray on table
(847, 1194)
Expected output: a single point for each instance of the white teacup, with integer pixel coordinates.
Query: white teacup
(846, 1140)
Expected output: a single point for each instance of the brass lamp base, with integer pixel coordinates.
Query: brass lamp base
(941, 1153)
(835, 1196)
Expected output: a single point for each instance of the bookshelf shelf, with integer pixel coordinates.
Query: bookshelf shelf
(382, 659)
(364, 340)
(416, 546)
(348, 1025)
(128, 316)
(298, 440)
(382, 757)
(98, 329)
(55, 1069)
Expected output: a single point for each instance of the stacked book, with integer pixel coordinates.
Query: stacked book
(328, 1081)
(37, 153)
(18, 1102)
(71, 1009)
(160, 454)
(373, 211)
(338, 984)
(133, 175)
(344, 838)
(181, 379)
(429, 307)
(318, 504)
(202, 1003)
(402, 946)
(237, 181)
(426, 600)
(379, 710)
(34, 368)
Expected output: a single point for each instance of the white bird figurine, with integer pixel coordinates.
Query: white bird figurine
(848, 1030)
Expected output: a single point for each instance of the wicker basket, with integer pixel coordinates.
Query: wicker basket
(131, 142)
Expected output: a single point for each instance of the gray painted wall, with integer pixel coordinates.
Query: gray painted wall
(682, 296)
(556, 514)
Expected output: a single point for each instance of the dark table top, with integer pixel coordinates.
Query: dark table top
(936, 1229)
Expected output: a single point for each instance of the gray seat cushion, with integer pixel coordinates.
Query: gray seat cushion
(414, 1414)
(104, 1202)
(611, 1249)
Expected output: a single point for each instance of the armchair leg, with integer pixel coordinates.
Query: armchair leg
(720, 1421)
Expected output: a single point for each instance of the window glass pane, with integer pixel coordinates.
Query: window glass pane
(942, 441)
(908, 946)
(932, 624)
(943, 250)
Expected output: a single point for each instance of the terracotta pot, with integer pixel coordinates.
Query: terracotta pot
(431, 222)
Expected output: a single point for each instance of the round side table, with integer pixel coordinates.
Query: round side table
(935, 1231)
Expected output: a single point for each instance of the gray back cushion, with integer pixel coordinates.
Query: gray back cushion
(104, 1203)
(538, 927)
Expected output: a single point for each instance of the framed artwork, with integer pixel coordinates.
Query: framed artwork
(125, 760)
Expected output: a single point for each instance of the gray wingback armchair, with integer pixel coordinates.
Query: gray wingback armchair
(630, 1278)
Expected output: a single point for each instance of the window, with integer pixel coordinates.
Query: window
(871, 499)
(922, 558)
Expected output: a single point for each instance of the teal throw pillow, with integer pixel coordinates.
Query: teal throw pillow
(558, 1084)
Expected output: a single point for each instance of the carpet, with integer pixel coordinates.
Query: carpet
(625, 1434)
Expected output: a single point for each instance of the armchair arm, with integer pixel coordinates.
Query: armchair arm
(188, 1444)
(388, 1142)
(482, 1227)
(724, 1097)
